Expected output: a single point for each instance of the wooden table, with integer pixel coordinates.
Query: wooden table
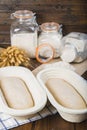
(55, 122)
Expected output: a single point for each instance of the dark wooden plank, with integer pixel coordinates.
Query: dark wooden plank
(54, 8)
(81, 126)
(66, 18)
(54, 122)
(4, 38)
(50, 10)
(4, 29)
(69, 13)
(56, 5)
(41, 1)
(78, 28)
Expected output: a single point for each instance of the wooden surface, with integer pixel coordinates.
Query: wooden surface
(54, 122)
(71, 13)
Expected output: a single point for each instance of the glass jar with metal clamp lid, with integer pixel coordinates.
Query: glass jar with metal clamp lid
(51, 33)
(24, 31)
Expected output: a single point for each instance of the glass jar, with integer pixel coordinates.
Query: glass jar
(24, 31)
(51, 33)
(75, 47)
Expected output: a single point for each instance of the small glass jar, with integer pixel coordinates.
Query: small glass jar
(51, 33)
(23, 31)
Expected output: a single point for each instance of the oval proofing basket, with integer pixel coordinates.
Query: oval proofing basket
(38, 94)
(72, 115)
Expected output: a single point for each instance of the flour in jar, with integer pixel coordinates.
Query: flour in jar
(75, 47)
(51, 34)
(25, 41)
(53, 40)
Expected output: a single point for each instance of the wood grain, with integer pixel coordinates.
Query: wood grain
(49, 124)
(81, 126)
(71, 13)
(54, 122)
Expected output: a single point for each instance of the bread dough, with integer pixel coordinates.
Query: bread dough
(16, 93)
(65, 94)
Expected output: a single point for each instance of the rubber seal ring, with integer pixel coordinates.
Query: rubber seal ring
(37, 53)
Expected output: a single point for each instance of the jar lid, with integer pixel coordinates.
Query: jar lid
(44, 53)
(23, 14)
(50, 27)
